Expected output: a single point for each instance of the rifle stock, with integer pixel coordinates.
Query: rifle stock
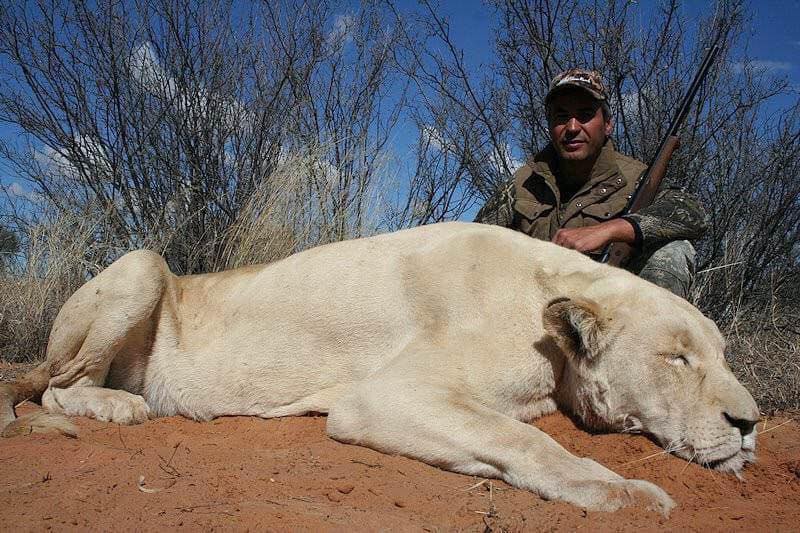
(619, 253)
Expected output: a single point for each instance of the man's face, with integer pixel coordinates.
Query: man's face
(578, 129)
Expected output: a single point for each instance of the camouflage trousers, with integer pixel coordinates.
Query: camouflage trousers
(671, 266)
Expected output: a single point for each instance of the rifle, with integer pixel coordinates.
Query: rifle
(618, 253)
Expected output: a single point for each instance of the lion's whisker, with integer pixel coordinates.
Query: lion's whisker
(688, 463)
(671, 447)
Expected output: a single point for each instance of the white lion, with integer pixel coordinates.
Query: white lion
(437, 343)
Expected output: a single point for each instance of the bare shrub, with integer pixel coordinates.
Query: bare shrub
(277, 222)
(172, 116)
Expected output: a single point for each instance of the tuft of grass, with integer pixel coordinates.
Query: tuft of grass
(760, 325)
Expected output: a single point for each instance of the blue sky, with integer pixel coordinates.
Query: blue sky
(774, 42)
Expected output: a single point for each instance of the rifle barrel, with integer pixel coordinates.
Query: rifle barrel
(620, 251)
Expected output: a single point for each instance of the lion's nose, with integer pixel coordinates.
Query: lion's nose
(745, 426)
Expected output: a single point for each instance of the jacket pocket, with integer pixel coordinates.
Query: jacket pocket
(532, 210)
(604, 210)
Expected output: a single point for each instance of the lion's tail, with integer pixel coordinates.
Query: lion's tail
(30, 387)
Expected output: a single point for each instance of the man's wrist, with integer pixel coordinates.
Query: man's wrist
(622, 230)
(638, 237)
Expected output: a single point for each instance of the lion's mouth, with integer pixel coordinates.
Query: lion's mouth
(732, 464)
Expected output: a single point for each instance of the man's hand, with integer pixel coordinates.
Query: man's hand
(595, 238)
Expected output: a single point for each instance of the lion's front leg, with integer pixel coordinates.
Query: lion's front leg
(436, 424)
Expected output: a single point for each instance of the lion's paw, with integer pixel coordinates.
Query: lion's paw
(105, 405)
(129, 410)
(639, 493)
(601, 495)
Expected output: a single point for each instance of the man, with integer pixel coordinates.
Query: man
(574, 191)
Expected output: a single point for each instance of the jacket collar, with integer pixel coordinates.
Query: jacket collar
(545, 164)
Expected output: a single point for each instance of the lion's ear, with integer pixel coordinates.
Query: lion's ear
(576, 325)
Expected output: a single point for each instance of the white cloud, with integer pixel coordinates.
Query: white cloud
(342, 31)
(761, 65)
(16, 190)
(500, 158)
(433, 137)
(52, 160)
(505, 155)
(147, 70)
(90, 152)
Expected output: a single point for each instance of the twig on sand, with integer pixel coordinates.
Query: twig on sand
(475, 486)
(23, 402)
(190, 508)
(492, 511)
(167, 466)
(773, 428)
(119, 432)
(365, 464)
(662, 452)
(147, 490)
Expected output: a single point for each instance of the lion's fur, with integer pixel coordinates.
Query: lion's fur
(436, 343)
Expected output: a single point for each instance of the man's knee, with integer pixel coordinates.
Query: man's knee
(671, 266)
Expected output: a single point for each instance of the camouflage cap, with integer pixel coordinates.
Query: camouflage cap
(588, 80)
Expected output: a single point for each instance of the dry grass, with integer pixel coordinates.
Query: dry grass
(768, 363)
(759, 322)
(276, 222)
(53, 266)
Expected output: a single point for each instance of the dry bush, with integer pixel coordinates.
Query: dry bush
(174, 115)
(55, 260)
(760, 323)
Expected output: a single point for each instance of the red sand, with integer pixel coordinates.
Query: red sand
(286, 475)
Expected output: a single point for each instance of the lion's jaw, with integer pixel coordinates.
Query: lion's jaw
(698, 434)
(680, 391)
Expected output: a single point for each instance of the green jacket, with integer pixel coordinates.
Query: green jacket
(531, 202)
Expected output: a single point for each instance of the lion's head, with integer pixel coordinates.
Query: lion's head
(647, 361)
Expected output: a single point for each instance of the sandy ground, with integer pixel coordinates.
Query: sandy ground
(242, 473)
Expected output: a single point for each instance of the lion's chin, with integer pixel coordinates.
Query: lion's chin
(732, 464)
(735, 463)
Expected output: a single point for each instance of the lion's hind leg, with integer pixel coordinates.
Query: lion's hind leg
(406, 410)
(99, 320)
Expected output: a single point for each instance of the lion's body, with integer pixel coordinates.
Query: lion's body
(288, 338)
(436, 343)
